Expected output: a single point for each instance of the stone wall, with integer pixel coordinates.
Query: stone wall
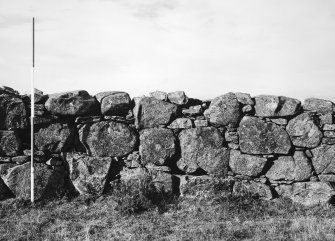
(265, 145)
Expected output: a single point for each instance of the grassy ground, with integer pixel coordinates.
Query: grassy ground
(225, 218)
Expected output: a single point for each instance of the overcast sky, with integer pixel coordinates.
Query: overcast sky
(204, 47)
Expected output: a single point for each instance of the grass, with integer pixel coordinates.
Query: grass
(220, 218)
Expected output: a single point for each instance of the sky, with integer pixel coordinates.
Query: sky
(204, 47)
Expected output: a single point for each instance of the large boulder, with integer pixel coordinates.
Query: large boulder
(157, 146)
(224, 110)
(10, 144)
(247, 165)
(89, 174)
(114, 103)
(304, 132)
(319, 106)
(48, 183)
(13, 113)
(107, 138)
(276, 106)
(307, 193)
(324, 159)
(56, 137)
(74, 103)
(5, 192)
(259, 137)
(202, 147)
(150, 112)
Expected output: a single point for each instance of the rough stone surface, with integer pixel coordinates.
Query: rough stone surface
(178, 97)
(327, 178)
(318, 105)
(114, 103)
(157, 146)
(72, 103)
(13, 113)
(48, 183)
(181, 123)
(282, 169)
(259, 137)
(203, 148)
(246, 164)
(204, 186)
(159, 95)
(244, 98)
(307, 193)
(303, 167)
(224, 110)
(108, 138)
(200, 123)
(329, 127)
(324, 159)
(55, 137)
(304, 132)
(162, 181)
(10, 143)
(88, 174)
(247, 109)
(276, 106)
(193, 111)
(258, 189)
(150, 112)
(326, 119)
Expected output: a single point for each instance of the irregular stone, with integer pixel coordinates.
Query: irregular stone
(55, 137)
(304, 132)
(39, 97)
(257, 189)
(75, 103)
(233, 146)
(247, 109)
(328, 141)
(8, 90)
(259, 137)
(5, 159)
(224, 110)
(329, 134)
(231, 136)
(21, 159)
(246, 164)
(114, 103)
(4, 169)
(150, 112)
(280, 121)
(329, 127)
(108, 138)
(203, 148)
(307, 193)
(5, 192)
(303, 167)
(13, 113)
(133, 160)
(181, 123)
(327, 178)
(162, 181)
(48, 183)
(10, 144)
(318, 105)
(200, 123)
(178, 97)
(282, 169)
(152, 168)
(88, 174)
(197, 187)
(193, 110)
(276, 106)
(157, 146)
(244, 98)
(159, 95)
(324, 159)
(326, 119)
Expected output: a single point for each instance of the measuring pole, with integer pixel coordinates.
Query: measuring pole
(32, 98)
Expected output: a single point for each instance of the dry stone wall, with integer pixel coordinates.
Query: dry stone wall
(266, 145)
